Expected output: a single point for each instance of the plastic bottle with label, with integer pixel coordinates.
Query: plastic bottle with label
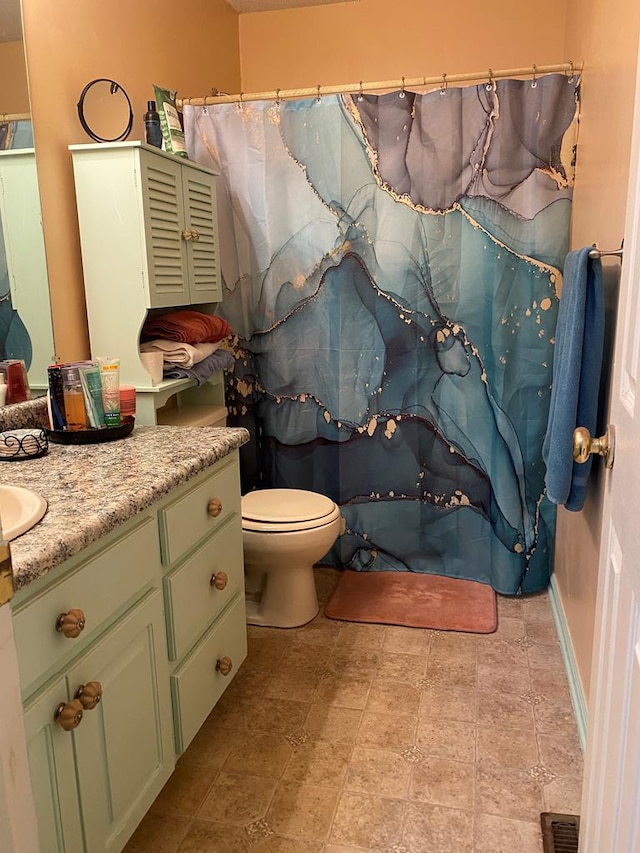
(152, 129)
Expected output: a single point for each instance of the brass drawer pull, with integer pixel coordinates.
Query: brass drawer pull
(219, 580)
(214, 507)
(89, 694)
(224, 665)
(71, 624)
(68, 715)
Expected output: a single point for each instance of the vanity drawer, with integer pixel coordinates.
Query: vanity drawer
(198, 683)
(192, 598)
(200, 511)
(99, 587)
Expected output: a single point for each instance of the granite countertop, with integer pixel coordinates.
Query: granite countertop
(91, 489)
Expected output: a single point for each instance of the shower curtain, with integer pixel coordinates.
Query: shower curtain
(391, 268)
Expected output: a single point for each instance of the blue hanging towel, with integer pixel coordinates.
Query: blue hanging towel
(577, 366)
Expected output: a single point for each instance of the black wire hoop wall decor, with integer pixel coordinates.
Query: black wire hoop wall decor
(114, 88)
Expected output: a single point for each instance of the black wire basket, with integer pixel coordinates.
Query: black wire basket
(18, 444)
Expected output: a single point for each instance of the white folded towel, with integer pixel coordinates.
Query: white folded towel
(174, 352)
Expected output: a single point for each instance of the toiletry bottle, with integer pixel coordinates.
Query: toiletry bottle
(73, 399)
(3, 390)
(110, 378)
(153, 132)
(56, 396)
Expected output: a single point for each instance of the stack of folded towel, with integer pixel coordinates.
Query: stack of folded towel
(189, 342)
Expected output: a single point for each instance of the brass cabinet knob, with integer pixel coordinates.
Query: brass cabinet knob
(89, 694)
(214, 507)
(224, 665)
(219, 580)
(195, 235)
(68, 715)
(186, 234)
(584, 445)
(71, 624)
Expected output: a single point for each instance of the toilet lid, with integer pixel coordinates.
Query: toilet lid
(286, 510)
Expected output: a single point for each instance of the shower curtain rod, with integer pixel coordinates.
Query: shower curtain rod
(352, 88)
(4, 117)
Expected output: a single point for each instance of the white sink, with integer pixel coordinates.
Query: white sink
(20, 509)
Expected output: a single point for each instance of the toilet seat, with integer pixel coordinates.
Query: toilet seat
(286, 510)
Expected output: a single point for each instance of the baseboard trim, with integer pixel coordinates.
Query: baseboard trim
(575, 687)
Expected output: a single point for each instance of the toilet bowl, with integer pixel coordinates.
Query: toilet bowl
(284, 532)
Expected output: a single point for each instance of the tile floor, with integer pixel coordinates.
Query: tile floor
(344, 738)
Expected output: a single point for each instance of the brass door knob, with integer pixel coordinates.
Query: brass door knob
(219, 580)
(71, 624)
(214, 507)
(224, 666)
(68, 715)
(584, 445)
(89, 694)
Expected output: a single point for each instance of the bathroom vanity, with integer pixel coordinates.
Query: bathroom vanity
(128, 618)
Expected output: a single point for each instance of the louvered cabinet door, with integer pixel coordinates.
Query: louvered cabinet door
(199, 195)
(164, 215)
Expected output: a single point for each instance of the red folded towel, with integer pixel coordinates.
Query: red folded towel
(188, 327)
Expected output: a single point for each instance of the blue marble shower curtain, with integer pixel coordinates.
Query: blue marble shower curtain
(391, 268)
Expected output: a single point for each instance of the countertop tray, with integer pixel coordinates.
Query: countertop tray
(92, 436)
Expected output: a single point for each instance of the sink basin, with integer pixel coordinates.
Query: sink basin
(20, 509)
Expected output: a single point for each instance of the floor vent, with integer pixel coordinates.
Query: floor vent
(559, 832)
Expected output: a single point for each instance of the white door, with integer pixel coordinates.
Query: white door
(611, 797)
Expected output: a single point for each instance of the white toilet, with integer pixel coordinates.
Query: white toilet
(284, 532)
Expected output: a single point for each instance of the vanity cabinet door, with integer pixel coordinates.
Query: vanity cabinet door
(124, 746)
(53, 773)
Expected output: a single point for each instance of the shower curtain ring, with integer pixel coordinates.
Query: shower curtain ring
(318, 96)
(278, 97)
(402, 93)
(571, 72)
(443, 85)
(240, 102)
(534, 82)
(490, 85)
(360, 98)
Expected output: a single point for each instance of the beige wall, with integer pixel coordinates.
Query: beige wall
(383, 40)
(191, 46)
(14, 95)
(603, 33)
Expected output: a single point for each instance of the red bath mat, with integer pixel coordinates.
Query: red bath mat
(415, 600)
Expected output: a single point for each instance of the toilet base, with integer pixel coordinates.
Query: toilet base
(288, 600)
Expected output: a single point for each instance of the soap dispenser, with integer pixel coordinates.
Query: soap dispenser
(152, 129)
